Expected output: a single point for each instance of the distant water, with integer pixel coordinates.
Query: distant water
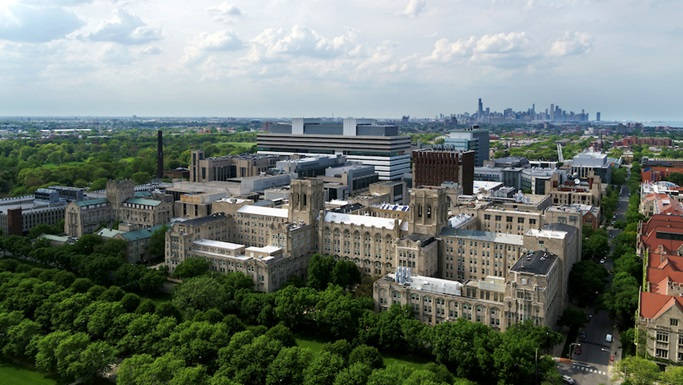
(670, 123)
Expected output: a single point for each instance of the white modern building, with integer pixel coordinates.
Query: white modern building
(360, 140)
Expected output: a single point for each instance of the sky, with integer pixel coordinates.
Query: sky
(379, 58)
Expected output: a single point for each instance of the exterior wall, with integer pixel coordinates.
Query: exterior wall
(140, 216)
(484, 306)
(428, 211)
(432, 168)
(181, 235)
(534, 297)
(465, 258)
(222, 168)
(500, 220)
(372, 249)
(80, 220)
(662, 337)
(421, 256)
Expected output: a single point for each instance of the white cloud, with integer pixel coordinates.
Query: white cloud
(414, 8)
(504, 49)
(206, 43)
(274, 43)
(572, 43)
(29, 23)
(225, 12)
(125, 28)
(151, 51)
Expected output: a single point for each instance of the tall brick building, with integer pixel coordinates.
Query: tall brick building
(433, 167)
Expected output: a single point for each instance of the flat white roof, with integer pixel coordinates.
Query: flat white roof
(266, 211)
(218, 244)
(512, 239)
(433, 285)
(547, 233)
(265, 249)
(365, 220)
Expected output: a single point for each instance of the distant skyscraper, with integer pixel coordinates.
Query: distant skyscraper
(597, 116)
(480, 108)
(552, 112)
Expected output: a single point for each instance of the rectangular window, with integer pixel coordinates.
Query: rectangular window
(662, 337)
(673, 322)
(661, 353)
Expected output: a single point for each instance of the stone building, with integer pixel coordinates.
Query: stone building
(227, 167)
(268, 244)
(529, 291)
(122, 204)
(86, 216)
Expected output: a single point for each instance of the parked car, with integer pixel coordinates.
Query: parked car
(568, 380)
(608, 338)
(602, 260)
(577, 350)
(582, 335)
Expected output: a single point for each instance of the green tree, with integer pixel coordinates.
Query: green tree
(46, 360)
(355, 374)
(367, 355)
(585, 280)
(288, 367)
(200, 294)
(673, 375)
(155, 247)
(320, 271)
(191, 267)
(345, 274)
(323, 369)
(637, 371)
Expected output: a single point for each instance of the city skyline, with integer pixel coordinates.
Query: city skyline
(314, 58)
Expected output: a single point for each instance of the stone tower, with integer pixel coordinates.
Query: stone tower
(118, 191)
(428, 211)
(306, 200)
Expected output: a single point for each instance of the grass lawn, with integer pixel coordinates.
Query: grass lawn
(19, 375)
(389, 359)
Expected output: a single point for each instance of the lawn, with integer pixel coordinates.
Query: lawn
(390, 360)
(19, 375)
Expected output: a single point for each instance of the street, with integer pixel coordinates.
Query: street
(592, 366)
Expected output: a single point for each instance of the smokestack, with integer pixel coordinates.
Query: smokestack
(160, 155)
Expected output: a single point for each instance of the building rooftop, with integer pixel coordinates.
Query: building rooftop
(534, 262)
(144, 201)
(653, 305)
(218, 244)
(360, 220)
(201, 220)
(590, 159)
(511, 239)
(392, 207)
(266, 211)
(429, 284)
(140, 234)
(109, 233)
(547, 233)
(265, 249)
(92, 202)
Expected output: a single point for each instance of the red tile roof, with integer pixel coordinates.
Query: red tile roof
(653, 304)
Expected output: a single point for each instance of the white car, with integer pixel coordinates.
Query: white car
(602, 260)
(568, 380)
(608, 338)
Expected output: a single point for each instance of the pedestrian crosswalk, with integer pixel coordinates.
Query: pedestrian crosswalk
(588, 369)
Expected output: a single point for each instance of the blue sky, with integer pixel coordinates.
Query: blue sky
(380, 58)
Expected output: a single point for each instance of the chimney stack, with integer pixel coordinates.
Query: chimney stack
(160, 155)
